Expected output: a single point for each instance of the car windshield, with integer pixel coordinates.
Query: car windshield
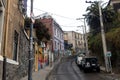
(92, 60)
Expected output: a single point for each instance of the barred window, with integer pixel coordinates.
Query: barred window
(15, 46)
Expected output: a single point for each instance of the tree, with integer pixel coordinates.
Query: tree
(42, 32)
(111, 27)
(93, 18)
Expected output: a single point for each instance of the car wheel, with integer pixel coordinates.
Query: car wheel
(85, 70)
(98, 70)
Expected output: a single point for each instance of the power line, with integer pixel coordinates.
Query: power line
(54, 14)
(57, 15)
(67, 26)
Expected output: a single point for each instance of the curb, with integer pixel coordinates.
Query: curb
(102, 68)
(109, 76)
(55, 65)
(48, 75)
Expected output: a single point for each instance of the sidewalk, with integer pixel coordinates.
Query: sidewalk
(42, 73)
(109, 76)
(45, 72)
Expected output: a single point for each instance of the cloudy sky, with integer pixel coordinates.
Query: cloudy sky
(64, 12)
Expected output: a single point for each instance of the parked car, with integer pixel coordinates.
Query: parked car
(78, 60)
(90, 64)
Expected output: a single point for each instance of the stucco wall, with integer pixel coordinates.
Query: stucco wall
(14, 22)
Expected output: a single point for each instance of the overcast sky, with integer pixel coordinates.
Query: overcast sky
(64, 12)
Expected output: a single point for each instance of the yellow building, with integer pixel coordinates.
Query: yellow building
(74, 38)
(36, 56)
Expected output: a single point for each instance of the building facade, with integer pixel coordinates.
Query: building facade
(14, 44)
(115, 4)
(56, 32)
(74, 38)
(58, 38)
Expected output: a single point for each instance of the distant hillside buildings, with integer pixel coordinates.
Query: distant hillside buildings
(75, 40)
(60, 38)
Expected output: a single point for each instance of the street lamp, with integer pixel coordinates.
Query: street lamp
(102, 35)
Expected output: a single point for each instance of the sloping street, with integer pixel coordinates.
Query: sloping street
(68, 70)
(59, 39)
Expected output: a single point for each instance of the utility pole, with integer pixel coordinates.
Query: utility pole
(85, 35)
(86, 40)
(102, 35)
(31, 44)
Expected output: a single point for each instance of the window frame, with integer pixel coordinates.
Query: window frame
(15, 46)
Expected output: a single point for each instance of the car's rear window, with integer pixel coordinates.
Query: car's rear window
(92, 60)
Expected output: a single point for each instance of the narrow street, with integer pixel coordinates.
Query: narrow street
(68, 70)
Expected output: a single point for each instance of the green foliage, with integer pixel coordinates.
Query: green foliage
(42, 32)
(93, 19)
(95, 44)
(113, 36)
(111, 21)
(113, 44)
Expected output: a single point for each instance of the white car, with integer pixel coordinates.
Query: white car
(79, 58)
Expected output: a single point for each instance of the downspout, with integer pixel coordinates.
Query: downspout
(5, 39)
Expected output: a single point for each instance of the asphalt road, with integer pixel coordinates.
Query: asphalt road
(68, 70)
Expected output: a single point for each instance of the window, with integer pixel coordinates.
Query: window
(15, 46)
(55, 32)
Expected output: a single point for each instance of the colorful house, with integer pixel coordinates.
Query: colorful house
(56, 32)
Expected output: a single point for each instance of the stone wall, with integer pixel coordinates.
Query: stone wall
(1, 70)
(15, 72)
